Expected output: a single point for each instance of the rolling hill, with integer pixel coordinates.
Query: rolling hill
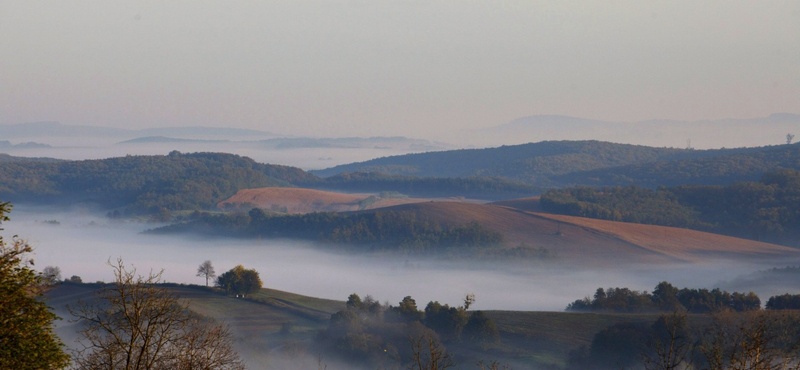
(277, 330)
(567, 163)
(591, 241)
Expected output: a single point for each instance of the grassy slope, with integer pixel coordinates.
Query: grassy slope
(256, 322)
(526, 337)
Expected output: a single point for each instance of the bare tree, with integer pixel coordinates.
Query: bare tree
(427, 353)
(206, 270)
(670, 345)
(51, 274)
(136, 324)
(758, 340)
(469, 300)
(789, 138)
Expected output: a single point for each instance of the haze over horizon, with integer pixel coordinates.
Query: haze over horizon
(418, 69)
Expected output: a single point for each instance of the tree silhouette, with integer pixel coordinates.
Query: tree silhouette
(206, 269)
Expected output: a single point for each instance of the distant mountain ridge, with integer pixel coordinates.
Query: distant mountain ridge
(716, 133)
(52, 128)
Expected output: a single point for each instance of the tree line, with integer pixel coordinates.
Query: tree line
(386, 336)
(668, 298)
(382, 229)
(752, 340)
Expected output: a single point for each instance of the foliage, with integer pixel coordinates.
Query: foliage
(482, 187)
(27, 340)
(784, 302)
(765, 210)
(666, 297)
(142, 184)
(481, 329)
(753, 340)
(533, 163)
(367, 332)
(386, 229)
(699, 167)
(75, 279)
(240, 281)
(136, 324)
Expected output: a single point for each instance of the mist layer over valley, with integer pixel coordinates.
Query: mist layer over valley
(81, 243)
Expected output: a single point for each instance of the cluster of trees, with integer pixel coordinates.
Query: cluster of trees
(397, 230)
(765, 210)
(751, 340)
(666, 297)
(377, 334)
(237, 281)
(482, 187)
(784, 302)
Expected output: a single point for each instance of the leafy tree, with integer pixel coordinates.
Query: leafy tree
(784, 302)
(481, 329)
(445, 320)
(75, 279)
(27, 340)
(135, 324)
(240, 281)
(407, 310)
(354, 301)
(206, 269)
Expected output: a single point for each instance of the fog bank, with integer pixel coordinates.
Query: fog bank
(81, 243)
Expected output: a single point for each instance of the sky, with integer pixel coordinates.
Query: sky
(380, 67)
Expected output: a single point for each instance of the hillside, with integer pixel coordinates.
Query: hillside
(765, 210)
(565, 163)
(275, 326)
(531, 163)
(725, 169)
(503, 230)
(597, 241)
(137, 185)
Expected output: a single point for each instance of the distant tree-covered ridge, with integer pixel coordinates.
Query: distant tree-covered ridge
(384, 229)
(667, 298)
(567, 163)
(470, 187)
(708, 167)
(142, 184)
(765, 210)
(532, 163)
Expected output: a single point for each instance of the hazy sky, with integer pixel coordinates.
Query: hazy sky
(377, 67)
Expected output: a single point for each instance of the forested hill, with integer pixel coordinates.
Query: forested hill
(142, 184)
(766, 210)
(555, 163)
(728, 167)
